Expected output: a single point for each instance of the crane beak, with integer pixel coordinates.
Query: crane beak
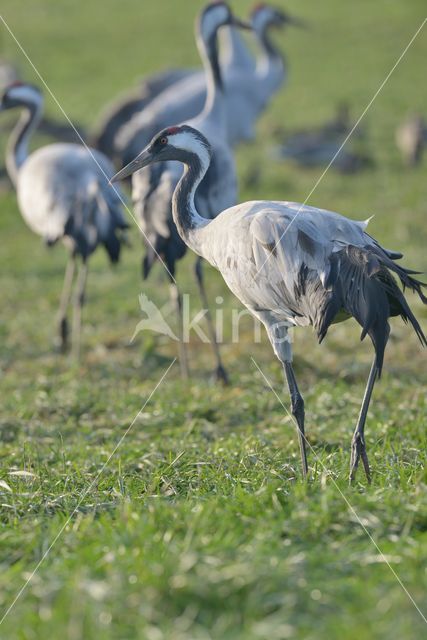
(142, 160)
(240, 24)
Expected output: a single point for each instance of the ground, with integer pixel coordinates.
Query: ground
(200, 526)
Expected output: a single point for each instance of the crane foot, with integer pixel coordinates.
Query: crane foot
(222, 376)
(63, 334)
(358, 452)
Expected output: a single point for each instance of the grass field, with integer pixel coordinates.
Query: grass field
(200, 526)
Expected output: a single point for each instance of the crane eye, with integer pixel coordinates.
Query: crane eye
(163, 140)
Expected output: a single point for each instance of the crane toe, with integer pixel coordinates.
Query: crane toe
(358, 452)
(222, 376)
(63, 335)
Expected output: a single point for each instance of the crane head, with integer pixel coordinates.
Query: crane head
(215, 15)
(20, 94)
(181, 143)
(264, 16)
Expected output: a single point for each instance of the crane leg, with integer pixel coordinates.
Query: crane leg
(297, 403)
(176, 300)
(220, 372)
(64, 302)
(79, 298)
(358, 446)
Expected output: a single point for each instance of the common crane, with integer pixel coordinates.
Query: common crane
(152, 190)
(63, 194)
(249, 88)
(291, 265)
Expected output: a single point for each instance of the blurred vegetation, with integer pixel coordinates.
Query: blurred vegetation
(200, 526)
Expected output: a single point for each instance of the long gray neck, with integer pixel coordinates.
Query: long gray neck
(214, 102)
(17, 147)
(187, 220)
(271, 65)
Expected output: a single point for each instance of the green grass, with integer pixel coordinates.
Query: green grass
(200, 526)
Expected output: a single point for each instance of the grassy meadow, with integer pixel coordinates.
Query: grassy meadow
(200, 526)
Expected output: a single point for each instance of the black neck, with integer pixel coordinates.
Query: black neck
(213, 58)
(270, 49)
(208, 49)
(184, 210)
(17, 148)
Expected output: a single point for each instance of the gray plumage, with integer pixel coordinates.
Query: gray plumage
(121, 110)
(63, 194)
(248, 88)
(291, 265)
(152, 189)
(235, 58)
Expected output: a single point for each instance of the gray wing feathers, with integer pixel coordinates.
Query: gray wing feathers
(324, 264)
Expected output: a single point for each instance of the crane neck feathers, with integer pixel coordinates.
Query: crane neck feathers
(207, 43)
(272, 59)
(196, 159)
(17, 148)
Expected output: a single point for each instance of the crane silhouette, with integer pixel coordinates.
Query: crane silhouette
(63, 194)
(291, 265)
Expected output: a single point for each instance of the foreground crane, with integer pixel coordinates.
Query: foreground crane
(63, 194)
(291, 265)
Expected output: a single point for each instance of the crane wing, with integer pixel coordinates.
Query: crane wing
(298, 236)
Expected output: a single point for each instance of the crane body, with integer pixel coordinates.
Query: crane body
(63, 194)
(291, 265)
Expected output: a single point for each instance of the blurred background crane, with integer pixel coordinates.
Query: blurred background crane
(248, 89)
(411, 137)
(63, 194)
(152, 189)
(177, 95)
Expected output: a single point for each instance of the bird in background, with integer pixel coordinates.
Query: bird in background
(411, 138)
(152, 189)
(291, 265)
(63, 194)
(268, 75)
(123, 108)
(249, 83)
(58, 131)
(322, 145)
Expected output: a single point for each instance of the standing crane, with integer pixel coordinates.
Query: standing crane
(248, 90)
(152, 190)
(179, 94)
(291, 265)
(235, 57)
(63, 193)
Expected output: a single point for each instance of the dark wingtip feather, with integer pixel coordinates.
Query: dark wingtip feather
(364, 287)
(113, 246)
(146, 267)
